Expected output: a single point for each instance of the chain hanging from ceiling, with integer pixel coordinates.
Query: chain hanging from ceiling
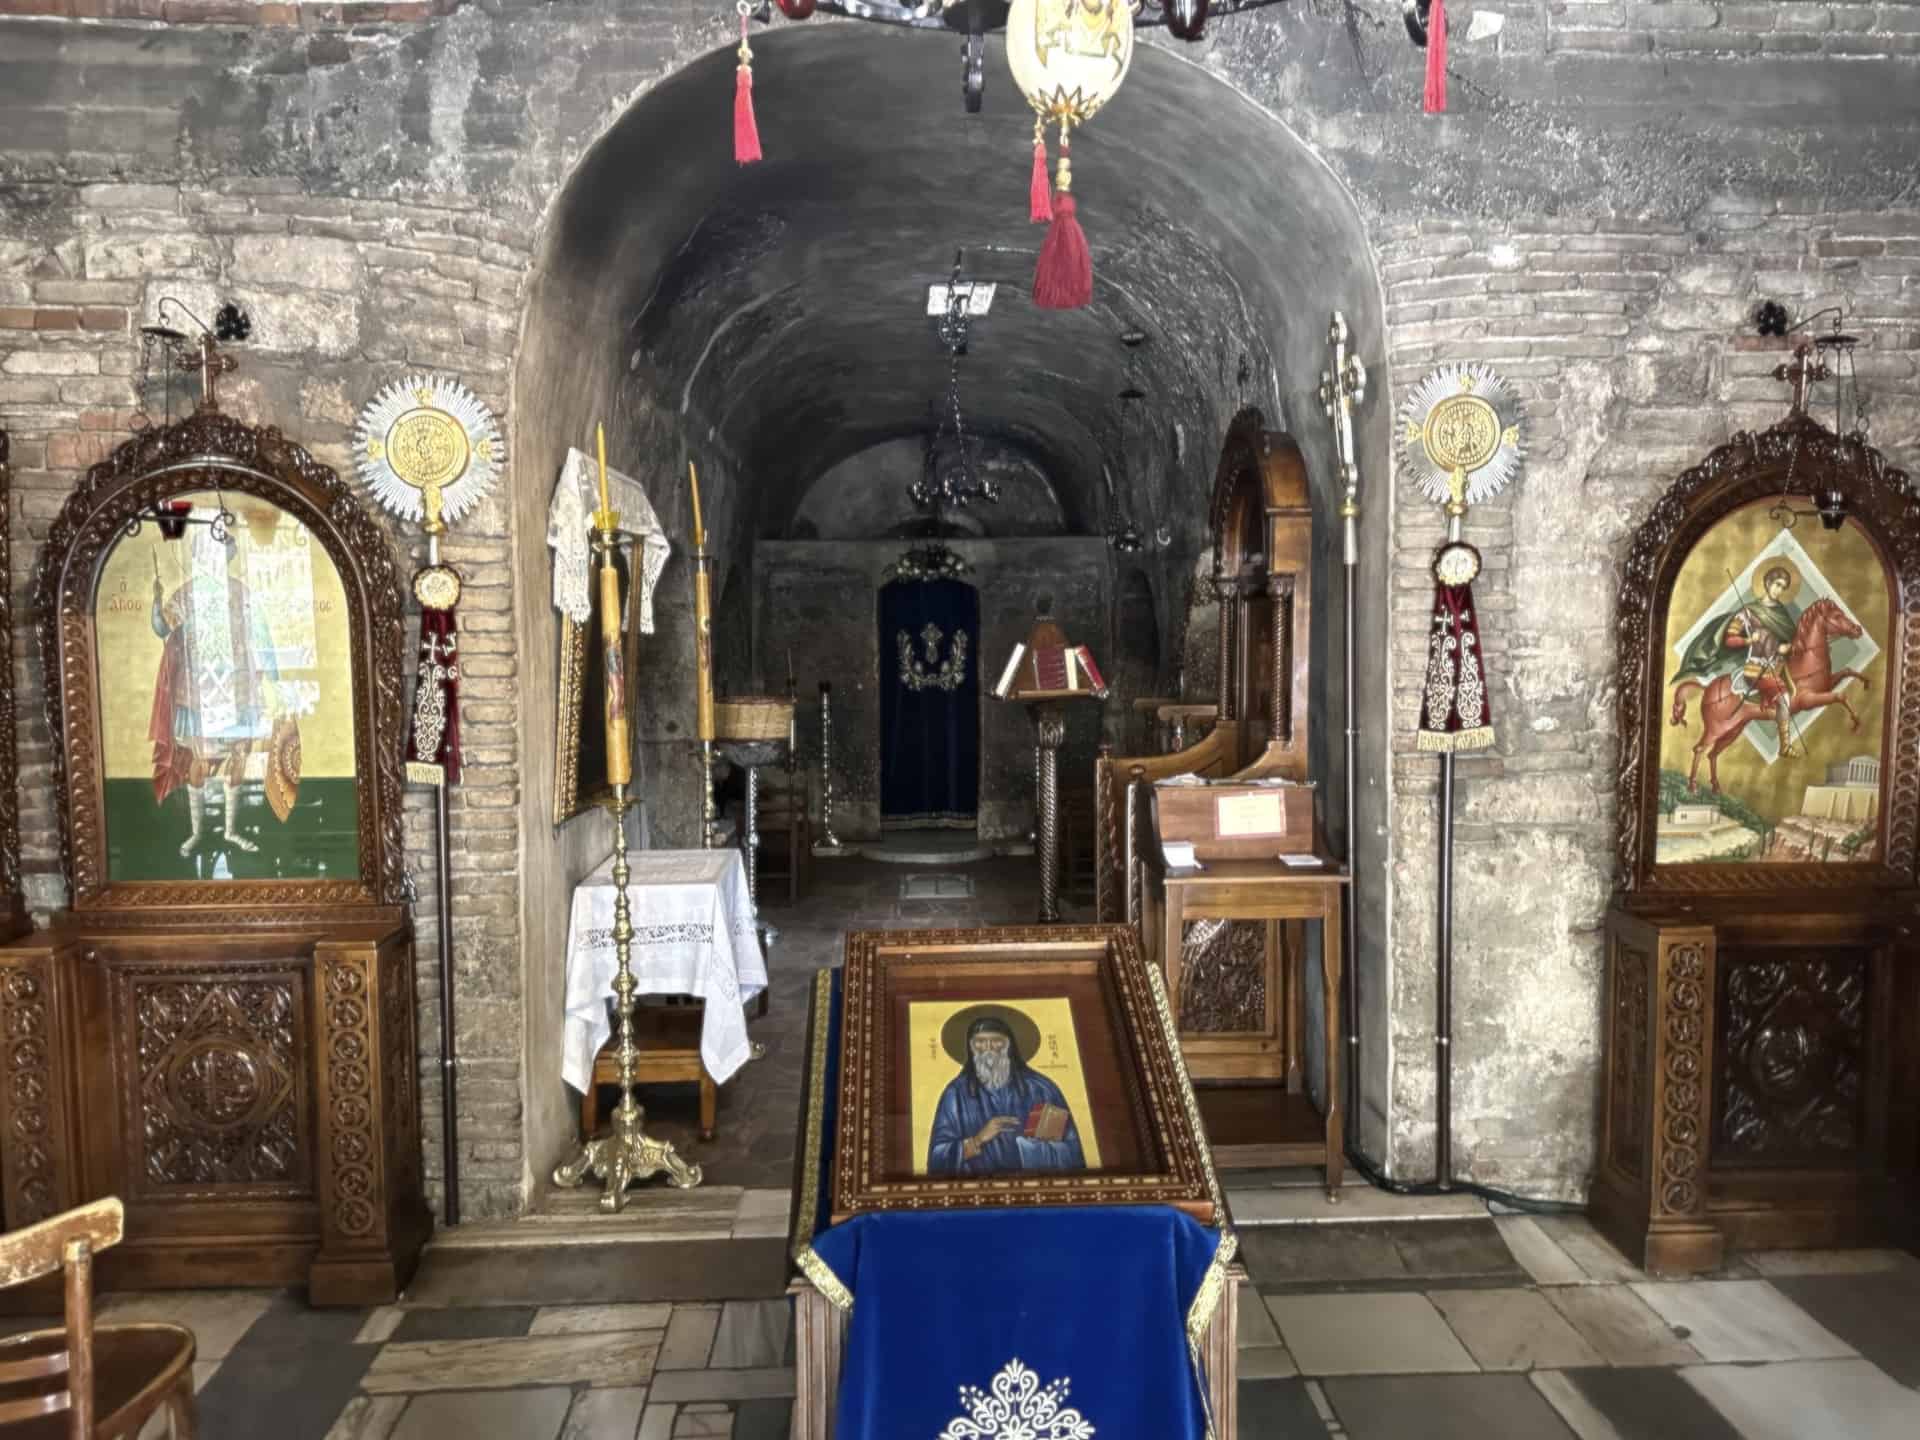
(939, 487)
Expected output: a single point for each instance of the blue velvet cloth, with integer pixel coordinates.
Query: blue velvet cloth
(1091, 1304)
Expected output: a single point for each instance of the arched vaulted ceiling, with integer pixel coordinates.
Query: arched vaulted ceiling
(778, 309)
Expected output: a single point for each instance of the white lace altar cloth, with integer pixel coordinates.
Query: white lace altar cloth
(693, 934)
(576, 495)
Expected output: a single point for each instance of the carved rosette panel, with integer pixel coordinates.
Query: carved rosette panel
(353, 1179)
(218, 1096)
(398, 1050)
(1627, 1123)
(1681, 1126)
(1223, 977)
(1793, 1058)
(206, 450)
(1748, 468)
(32, 1145)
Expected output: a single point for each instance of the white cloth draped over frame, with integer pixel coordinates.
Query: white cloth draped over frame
(569, 525)
(693, 934)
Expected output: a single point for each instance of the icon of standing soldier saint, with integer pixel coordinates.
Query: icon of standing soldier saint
(216, 694)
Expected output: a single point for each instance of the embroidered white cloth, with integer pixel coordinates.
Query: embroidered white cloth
(693, 934)
(576, 495)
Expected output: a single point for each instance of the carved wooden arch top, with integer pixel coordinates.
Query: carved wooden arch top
(1800, 452)
(208, 451)
(1260, 471)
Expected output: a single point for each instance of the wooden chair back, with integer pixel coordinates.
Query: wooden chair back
(63, 1378)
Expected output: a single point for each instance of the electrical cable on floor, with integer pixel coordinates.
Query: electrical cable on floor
(1504, 1199)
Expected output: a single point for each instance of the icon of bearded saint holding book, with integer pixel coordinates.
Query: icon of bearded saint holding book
(999, 1114)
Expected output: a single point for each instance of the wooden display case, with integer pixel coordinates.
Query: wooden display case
(222, 1020)
(1089, 1028)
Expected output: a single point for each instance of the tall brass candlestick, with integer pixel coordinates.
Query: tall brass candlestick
(703, 661)
(628, 1153)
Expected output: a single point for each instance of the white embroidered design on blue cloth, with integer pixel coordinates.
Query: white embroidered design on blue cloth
(1017, 1409)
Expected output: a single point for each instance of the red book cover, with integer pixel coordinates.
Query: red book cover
(1093, 670)
(1050, 667)
(1046, 1122)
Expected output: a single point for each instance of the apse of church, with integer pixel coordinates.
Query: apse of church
(543, 206)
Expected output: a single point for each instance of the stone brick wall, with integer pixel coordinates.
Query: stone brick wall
(344, 295)
(1616, 186)
(1620, 337)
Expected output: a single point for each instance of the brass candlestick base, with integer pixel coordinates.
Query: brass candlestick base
(628, 1154)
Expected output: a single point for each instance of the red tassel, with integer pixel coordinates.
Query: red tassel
(1039, 188)
(746, 134)
(1436, 95)
(1063, 280)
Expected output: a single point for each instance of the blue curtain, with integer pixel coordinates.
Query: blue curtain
(929, 703)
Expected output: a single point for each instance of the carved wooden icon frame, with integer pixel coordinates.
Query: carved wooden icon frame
(1125, 1033)
(13, 914)
(1801, 453)
(210, 451)
(580, 781)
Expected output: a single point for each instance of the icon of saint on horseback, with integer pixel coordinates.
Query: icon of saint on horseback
(1765, 658)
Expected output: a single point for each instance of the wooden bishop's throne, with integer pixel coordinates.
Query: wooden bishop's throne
(1237, 981)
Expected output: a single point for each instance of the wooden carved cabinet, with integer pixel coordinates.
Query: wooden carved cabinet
(1762, 1001)
(220, 1029)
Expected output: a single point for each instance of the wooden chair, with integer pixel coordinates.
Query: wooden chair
(109, 1381)
(669, 1041)
(782, 819)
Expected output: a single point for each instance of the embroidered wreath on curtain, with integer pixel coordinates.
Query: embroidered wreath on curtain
(933, 673)
(1017, 1409)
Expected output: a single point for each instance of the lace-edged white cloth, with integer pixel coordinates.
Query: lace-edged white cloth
(569, 522)
(693, 934)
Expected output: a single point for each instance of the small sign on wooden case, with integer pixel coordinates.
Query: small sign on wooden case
(1249, 816)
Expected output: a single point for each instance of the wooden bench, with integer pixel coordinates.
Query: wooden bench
(669, 1041)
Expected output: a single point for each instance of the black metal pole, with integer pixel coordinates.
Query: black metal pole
(449, 1124)
(1443, 990)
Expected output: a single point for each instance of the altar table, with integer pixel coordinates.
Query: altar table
(693, 934)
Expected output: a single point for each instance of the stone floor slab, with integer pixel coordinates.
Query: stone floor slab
(588, 1319)
(1356, 1256)
(1796, 1400)
(218, 1318)
(1774, 1263)
(492, 1322)
(689, 1337)
(380, 1325)
(1589, 1249)
(1741, 1320)
(1253, 1326)
(368, 1417)
(1877, 1314)
(619, 1359)
(1444, 1407)
(763, 1419)
(1301, 1206)
(1631, 1404)
(1513, 1330)
(753, 1334)
(1537, 1253)
(1456, 1252)
(682, 1386)
(606, 1414)
(657, 1422)
(1366, 1334)
(627, 1274)
(486, 1415)
(1278, 1410)
(1620, 1325)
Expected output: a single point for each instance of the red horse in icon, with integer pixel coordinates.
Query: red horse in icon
(1724, 715)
